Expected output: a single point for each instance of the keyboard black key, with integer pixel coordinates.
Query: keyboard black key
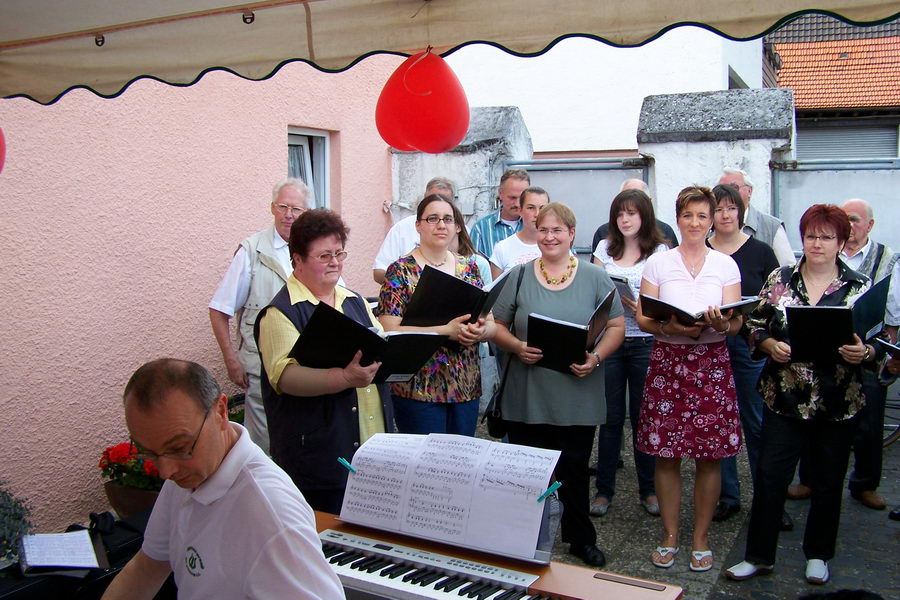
(506, 595)
(455, 583)
(337, 557)
(403, 569)
(377, 566)
(469, 588)
(475, 590)
(350, 557)
(330, 551)
(431, 578)
(413, 574)
(359, 564)
(488, 591)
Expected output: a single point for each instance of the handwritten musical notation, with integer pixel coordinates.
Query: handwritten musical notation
(456, 489)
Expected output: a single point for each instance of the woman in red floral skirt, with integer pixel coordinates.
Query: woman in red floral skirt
(689, 408)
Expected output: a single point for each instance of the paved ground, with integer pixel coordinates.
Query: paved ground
(867, 553)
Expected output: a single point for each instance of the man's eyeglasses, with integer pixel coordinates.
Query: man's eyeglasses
(813, 238)
(326, 257)
(296, 211)
(147, 455)
(433, 220)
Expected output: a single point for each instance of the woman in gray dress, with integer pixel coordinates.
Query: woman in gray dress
(547, 408)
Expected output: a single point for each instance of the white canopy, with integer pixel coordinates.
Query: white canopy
(50, 46)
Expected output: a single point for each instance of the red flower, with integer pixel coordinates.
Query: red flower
(150, 469)
(120, 453)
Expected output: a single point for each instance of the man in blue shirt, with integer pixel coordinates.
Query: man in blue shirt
(504, 222)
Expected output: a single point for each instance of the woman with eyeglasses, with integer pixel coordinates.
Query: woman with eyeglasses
(317, 415)
(809, 406)
(442, 397)
(689, 409)
(546, 408)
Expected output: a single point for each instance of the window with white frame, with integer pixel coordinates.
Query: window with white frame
(308, 160)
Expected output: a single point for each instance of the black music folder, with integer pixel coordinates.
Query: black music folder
(563, 343)
(331, 339)
(440, 297)
(892, 350)
(816, 332)
(660, 310)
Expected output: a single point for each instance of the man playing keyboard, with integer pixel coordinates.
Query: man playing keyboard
(228, 522)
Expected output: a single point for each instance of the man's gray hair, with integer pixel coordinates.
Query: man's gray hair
(642, 185)
(870, 214)
(152, 383)
(744, 174)
(293, 182)
(441, 183)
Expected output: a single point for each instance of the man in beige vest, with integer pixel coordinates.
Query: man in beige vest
(259, 269)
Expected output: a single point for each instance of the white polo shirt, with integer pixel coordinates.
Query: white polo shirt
(400, 240)
(246, 532)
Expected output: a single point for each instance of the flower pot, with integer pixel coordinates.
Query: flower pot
(127, 501)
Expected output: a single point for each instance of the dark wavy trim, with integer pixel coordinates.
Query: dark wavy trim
(546, 48)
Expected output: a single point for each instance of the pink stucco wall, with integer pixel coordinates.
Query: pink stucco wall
(119, 217)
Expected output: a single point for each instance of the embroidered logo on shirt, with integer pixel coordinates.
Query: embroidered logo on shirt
(193, 562)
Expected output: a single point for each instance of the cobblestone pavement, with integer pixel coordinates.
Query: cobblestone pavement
(866, 558)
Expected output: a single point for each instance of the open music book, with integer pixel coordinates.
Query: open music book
(331, 339)
(660, 310)
(72, 554)
(454, 489)
(816, 332)
(563, 343)
(440, 297)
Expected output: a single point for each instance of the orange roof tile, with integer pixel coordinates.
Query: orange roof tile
(849, 73)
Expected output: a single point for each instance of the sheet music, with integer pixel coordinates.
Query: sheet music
(510, 480)
(457, 489)
(73, 549)
(376, 492)
(440, 487)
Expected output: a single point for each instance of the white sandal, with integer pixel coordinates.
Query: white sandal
(699, 555)
(663, 552)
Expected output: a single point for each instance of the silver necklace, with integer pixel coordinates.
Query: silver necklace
(692, 267)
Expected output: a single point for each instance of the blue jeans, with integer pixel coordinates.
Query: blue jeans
(413, 416)
(750, 405)
(626, 367)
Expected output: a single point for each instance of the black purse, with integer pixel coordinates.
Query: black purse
(496, 426)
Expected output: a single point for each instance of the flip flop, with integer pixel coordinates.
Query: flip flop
(663, 552)
(699, 555)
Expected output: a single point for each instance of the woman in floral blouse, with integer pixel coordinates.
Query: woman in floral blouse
(807, 404)
(443, 396)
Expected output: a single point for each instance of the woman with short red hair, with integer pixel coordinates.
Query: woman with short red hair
(808, 404)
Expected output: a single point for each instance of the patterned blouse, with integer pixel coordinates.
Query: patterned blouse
(829, 392)
(453, 373)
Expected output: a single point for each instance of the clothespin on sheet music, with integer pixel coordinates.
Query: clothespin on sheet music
(347, 465)
(553, 487)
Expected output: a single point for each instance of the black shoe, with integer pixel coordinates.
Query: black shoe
(787, 524)
(894, 515)
(724, 510)
(590, 554)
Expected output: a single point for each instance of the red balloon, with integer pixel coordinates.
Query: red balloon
(2, 149)
(423, 106)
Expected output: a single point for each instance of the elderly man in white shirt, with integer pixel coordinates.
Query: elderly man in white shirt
(259, 269)
(228, 522)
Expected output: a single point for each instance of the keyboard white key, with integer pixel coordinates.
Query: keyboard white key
(406, 569)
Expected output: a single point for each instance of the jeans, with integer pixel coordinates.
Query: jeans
(413, 416)
(626, 367)
(784, 440)
(750, 405)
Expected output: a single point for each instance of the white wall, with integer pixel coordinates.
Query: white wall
(586, 95)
